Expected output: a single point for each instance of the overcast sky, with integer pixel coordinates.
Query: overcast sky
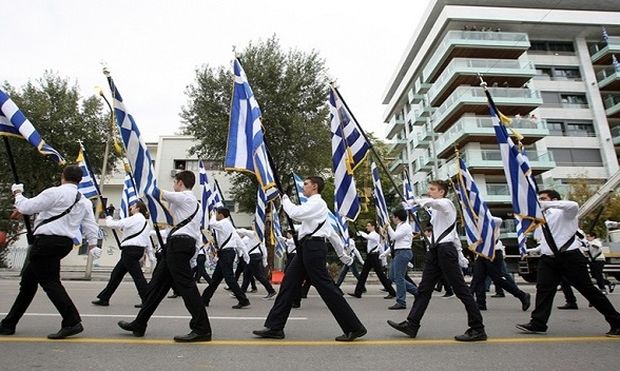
(153, 47)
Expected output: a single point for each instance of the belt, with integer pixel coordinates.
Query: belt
(183, 236)
(315, 239)
(405, 249)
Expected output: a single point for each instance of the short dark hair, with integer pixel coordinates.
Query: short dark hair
(224, 211)
(429, 228)
(442, 184)
(592, 233)
(553, 194)
(142, 208)
(401, 214)
(72, 173)
(318, 181)
(187, 177)
(372, 222)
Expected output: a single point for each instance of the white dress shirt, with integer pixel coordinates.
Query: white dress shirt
(562, 220)
(54, 201)
(252, 241)
(402, 236)
(310, 214)
(224, 228)
(372, 241)
(499, 246)
(596, 249)
(443, 215)
(131, 226)
(291, 248)
(182, 206)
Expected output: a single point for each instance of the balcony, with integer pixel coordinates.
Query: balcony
(397, 166)
(421, 87)
(489, 161)
(464, 71)
(612, 106)
(615, 135)
(413, 97)
(602, 52)
(471, 99)
(394, 126)
(608, 79)
(480, 129)
(497, 193)
(421, 139)
(396, 146)
(474, 44)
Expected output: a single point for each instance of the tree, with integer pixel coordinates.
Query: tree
(580, 190)
(291, 89)
(62, 117)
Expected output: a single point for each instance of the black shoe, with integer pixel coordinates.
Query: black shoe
(6, 330)
(350, 336)
(268, 333)
(128, 326)
(613, 333)
(296, 305)
(359, 296)
(241, 305)
(270, 295)
(529, 328)
(568, 306)
(447, 295)
(192, 337)
(389, 296)
(173, 296)
(253, 290)
(66, 331)
(101, 303)
(498, 296)
(472, 335)
(138, 306)
(526, 302)
(397, 307)
(363, 290)
(482, 307)
(405, 327)
(612, 287)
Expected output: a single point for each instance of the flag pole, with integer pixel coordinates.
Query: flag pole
(29, 235)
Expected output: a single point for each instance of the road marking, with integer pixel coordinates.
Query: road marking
(157, 317)
(309, 343)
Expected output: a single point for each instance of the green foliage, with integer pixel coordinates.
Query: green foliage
(580, 190)
(62, 117)
(291, 89)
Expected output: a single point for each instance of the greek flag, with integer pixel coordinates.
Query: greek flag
(14, 123)
(87, 185)
(479, 223)
(246, 149)
(605, 36)
(409, 195)
(208, 198)
(299, 186)
(128, 197)
(139, 159)
(259, 214)
(277, 231)
(521, 183)
(380, 205)
(349, 148)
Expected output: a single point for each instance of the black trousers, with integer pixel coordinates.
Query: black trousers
(569, 295)
(574, 267)
(241, 270)
(256, 270)
(484, 267)
(199, 269)
(344, 270)
(310, 261)
(596, 270)
(442, 260)
(224, 271)
(129, 262)
(373, 262)
(174, 268)
(43, 269)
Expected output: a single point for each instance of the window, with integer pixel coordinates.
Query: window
(566, 73)
(543, 73)
(576, 99)
(552, 47)
(571, 128)
(555, 128)
(564, 100)
(577, 156)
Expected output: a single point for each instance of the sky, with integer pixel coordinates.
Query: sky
(153, 48)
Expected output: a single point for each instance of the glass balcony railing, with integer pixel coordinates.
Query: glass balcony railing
(471, 66)
(598, 50)
(493, 158)
(395, 124)
(475, 39)
(611, 101)
(615, 133)
(610, 73)
(476, 95)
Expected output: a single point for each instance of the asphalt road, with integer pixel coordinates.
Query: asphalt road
(575, 340)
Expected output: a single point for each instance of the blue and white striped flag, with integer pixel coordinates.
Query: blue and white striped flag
(87, 185)
(479, 223)
(128, 197)
(260, 214)
(277, 231)
(521, 183)
(139, 159)
(349, 148)
(379, 198)
(299, 186)
(246, 150)
(409, 196)
(340, 226)
(14, 123)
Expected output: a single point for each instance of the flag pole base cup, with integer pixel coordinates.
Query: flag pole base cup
(276, 277)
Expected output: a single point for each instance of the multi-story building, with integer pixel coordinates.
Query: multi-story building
(547, 65)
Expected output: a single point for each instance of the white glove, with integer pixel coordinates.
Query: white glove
(384, 254)
(346, 259)
(463, 262)
(17, 188)
(410, 265)
(359, 233)
(96, 252)
(109, 219)
(246, 257)
(265, 263)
